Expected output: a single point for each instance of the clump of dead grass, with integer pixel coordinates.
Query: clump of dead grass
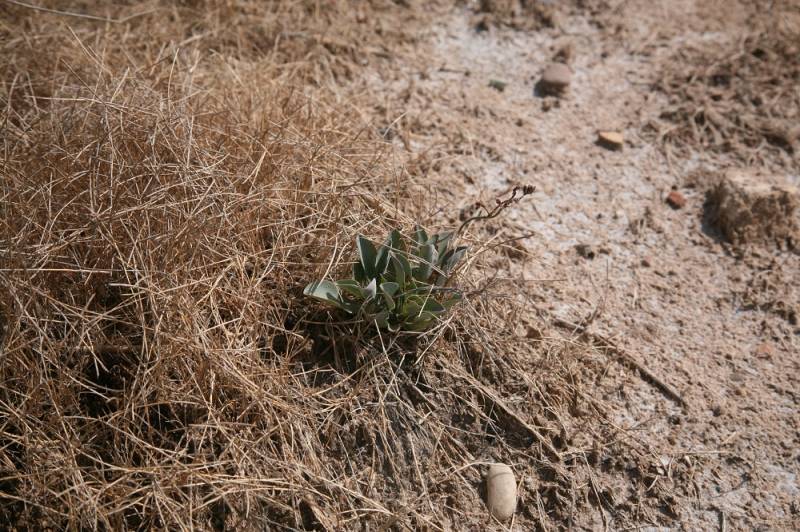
(311, 39)
(740, 98)
(161, 207)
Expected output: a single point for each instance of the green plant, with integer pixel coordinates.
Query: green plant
(397, 286)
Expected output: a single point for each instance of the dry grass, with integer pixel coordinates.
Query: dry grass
(160, 206)
(740, 97)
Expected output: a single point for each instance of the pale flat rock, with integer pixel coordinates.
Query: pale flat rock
(613, 140)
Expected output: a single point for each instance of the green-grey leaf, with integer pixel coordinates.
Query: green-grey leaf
(367, 255)
(433, 306)
(454, 258)
(359, 274)
(420, 236)
(420, 323)
(442, 240)
(405, 264)
(329, 293)
(382, 319)
(371, 306)
(371, 289)
(427, 255)
(324, 290)
(390, 288)
(451, 300)
(351, 286)
(399, 270)
(395, 240)
(382, 260)
(389, 301)
(411, 309)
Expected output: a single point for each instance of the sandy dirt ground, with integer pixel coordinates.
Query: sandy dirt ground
(709, 420)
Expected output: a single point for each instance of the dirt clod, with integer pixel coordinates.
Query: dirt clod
(748, 210)
(555, 78)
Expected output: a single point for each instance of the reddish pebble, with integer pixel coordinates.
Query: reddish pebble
(676, 200)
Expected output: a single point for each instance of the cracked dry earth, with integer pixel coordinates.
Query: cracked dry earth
(715, 326)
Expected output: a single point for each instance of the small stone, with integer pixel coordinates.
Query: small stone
(555, 78)
(676, 200)
(612, 140)
(501, 491)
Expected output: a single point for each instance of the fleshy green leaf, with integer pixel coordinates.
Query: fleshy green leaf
(367, 255)
(359, 274)
(405, 264)
(371, 306)
(371, 289)
(451, 300)
(382, 319)
(351, 286)
(420, 323)
(452, 257)
(381, 260)
(395, 241)
(399, 270)
(427, 255)
(442, 241)
(388, 290)
(329, 293)
(433, 306)
(411, 309)
(389, 300)
(420, 236)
